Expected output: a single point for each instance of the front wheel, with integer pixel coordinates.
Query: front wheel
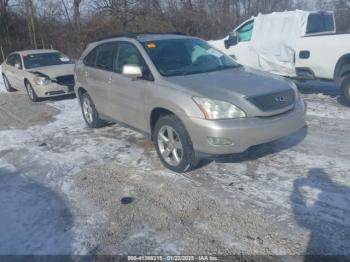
(174, 145)
(346, 89)
(90, 113)
(31, 92)
(7, 84)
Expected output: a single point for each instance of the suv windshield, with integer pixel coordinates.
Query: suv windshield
(45, 59)
(176, 57)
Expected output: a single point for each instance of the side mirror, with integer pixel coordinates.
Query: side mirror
(132, 71)
(232, 40)
(17, 66)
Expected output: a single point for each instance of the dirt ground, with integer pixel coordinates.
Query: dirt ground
(66, 189)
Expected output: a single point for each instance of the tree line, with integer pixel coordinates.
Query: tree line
(68, 25)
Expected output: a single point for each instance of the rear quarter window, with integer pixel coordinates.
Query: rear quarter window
(320, 23)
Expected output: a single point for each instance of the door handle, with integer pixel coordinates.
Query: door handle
(87, 74)
(110, 80)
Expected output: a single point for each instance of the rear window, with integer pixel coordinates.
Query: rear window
(320, 23)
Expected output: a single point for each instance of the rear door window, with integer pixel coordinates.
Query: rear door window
(320, 23)
(11, 60)
(18, 60)
(105, 56)
(90, 59)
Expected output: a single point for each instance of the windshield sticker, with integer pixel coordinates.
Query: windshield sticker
(64, 59)
(214, 52)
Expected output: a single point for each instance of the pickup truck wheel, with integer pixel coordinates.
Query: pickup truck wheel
(31, 93)
(7, 84)
(346, 88)
(89, 111)
(174, 145)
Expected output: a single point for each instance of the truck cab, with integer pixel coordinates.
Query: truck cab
(240, 48)
(296, 44)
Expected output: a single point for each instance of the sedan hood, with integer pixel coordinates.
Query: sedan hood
(55, 71)
(232, 83)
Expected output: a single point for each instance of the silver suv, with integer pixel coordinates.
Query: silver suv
(193, 101)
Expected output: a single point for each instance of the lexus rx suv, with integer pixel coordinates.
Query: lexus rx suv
(192, 100)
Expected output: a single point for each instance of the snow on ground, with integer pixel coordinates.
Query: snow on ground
(63, 147)
(286, 197)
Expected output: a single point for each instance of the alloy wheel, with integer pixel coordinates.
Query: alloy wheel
(87, 110)
(170, 145)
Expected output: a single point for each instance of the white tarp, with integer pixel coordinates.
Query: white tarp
(275, 40)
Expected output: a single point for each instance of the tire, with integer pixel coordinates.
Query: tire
(345, 85)
(31, 92)
(8, 86)
(173, 144)
(89, 111)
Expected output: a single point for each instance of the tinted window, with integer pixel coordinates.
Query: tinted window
(11, 60)
(186, 56)
(245, 32)
(128, 55)
(105, 56)
(18, 60)
(90, 59)
(320, 23)
(45, 59)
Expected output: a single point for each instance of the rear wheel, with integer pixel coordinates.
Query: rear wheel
(90, 113)
(174, 145)
(31, 92)
(346, 88)
(7, 84)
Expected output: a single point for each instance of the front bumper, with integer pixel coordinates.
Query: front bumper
(53, 90)
(243, 133)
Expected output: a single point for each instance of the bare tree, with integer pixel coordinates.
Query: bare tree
(31, 24)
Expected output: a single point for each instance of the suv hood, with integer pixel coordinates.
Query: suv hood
(257, 93)
(232, 83)
(54, 71)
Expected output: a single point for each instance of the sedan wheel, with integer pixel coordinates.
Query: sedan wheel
(7, 84)
(170, 145)
(31, 93)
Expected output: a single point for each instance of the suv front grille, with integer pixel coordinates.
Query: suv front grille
(274, 101)
(67, 80)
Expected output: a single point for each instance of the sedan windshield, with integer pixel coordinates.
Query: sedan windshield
(45, 59)
(174, 57)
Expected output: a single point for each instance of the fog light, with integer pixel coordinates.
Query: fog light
(220, 141)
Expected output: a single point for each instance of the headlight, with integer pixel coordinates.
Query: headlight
(41, 80)
(214, 109)
(295, 88)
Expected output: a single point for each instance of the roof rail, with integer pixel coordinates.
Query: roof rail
(136, 34)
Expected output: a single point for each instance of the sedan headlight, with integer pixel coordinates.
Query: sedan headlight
(41, 80)
(214, 109)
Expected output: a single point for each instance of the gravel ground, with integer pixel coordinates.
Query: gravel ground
(62, 186)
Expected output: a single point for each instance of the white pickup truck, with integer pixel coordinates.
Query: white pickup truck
(296, 44)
